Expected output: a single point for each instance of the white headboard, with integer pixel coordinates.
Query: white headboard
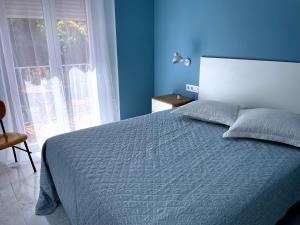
(251, 83)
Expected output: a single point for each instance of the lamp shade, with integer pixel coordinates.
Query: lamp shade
(177, 58)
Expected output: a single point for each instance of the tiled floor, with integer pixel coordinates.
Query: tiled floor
(19, 189)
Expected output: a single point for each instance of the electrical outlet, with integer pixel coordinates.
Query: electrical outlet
(192, 88)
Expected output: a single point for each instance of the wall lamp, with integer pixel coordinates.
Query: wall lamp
(177, 58)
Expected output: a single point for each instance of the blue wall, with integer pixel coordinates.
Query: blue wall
(256, 29)
(135, 42)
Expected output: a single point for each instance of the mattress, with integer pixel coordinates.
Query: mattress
(166, 169)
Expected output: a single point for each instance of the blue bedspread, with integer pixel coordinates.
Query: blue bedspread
(164, 169)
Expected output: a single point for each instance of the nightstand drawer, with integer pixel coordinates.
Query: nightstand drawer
(160, 106)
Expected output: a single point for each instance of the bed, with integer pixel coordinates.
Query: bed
(167, 169)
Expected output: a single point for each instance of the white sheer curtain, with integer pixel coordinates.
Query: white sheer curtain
(58, 66)
(105, 45)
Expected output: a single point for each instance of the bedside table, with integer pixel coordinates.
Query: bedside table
(164, 102)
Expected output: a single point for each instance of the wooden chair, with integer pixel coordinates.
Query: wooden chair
(8, 140)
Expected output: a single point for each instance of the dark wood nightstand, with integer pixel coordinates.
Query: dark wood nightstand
(164, 102)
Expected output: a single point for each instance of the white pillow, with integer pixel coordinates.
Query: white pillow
(267, 124)
(210, 111)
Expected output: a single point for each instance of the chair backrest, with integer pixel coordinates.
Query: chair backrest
(2, 110)
(2, 114)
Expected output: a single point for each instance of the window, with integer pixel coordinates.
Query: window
(57, 86)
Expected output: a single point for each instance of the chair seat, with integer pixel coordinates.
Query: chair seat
(10, 139)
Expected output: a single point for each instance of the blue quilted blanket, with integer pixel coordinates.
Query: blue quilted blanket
(165, 169)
